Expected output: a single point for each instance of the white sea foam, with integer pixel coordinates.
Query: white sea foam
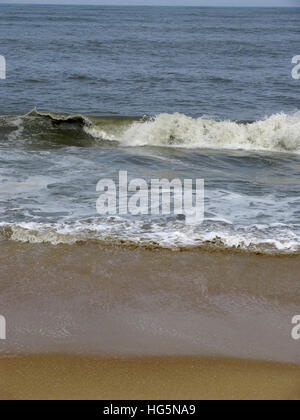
(165, 235)
(257, 219)
(280, 133)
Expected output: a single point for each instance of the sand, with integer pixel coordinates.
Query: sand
(121, 302)
(71, 377)
(142, 312)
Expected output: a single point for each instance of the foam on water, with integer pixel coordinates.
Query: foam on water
(276, 238)
(279, 133)
(252, 199)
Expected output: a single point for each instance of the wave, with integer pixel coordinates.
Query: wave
(118, 232)
(277, 133)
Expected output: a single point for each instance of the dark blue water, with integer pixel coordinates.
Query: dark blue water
(192, 70)
(225, 63)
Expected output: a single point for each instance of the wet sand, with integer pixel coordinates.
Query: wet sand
(122, 302)
(70, 377)
(147, 324)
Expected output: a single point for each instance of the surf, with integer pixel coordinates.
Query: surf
(276, 133)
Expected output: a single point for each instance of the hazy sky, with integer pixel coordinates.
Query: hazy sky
(168, 2)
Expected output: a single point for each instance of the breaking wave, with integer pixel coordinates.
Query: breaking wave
(275, 239)
(278, 133)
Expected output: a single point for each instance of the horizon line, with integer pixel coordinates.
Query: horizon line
(146, 5)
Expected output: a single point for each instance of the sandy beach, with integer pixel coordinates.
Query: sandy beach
(115, 301)
(96, 322)
(69, 378)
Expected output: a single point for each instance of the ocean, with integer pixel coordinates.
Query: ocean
(159, 92)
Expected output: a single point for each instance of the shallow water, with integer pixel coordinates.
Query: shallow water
(50, 166)
(117, 302)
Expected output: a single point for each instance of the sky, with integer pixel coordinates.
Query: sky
(263, 3)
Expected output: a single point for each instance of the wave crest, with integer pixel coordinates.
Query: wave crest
(278, 133)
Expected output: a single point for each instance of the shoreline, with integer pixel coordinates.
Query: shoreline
(67, 377)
